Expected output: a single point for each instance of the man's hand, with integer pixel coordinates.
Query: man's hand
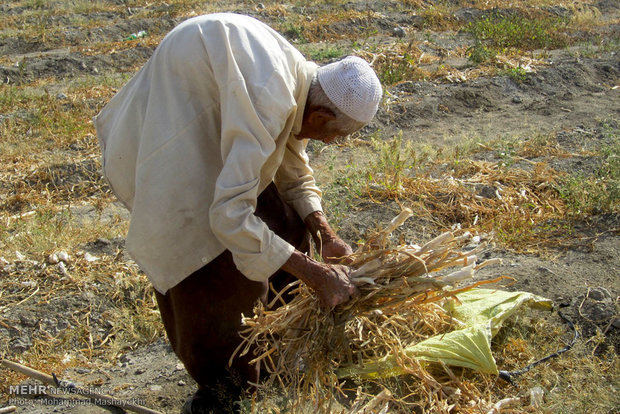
(331, 282)
(334, 249)
(328, 243)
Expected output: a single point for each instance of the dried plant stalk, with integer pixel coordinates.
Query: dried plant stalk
(300, 345)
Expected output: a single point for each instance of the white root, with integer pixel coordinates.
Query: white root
(411, 248)
(380, 400)
(470, 260)
(360, 280)
(463, 237)
(398, 220)
(495, 260)
(437, 241)
(460, 275)
(505, 403)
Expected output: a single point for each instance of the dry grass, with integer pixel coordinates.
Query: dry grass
(52, 200)
(524, 203)
(568, 382)
(105, 307)
(511, 202)
(304, 347)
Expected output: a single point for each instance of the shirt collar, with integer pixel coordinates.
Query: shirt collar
(305, 72)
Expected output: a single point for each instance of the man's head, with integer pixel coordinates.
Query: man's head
(343, 97)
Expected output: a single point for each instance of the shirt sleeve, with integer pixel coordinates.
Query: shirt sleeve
(256, 73)
(246, 144)
(295, 179)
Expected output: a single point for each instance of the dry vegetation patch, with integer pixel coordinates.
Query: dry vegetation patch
(306, 349)
(511, 190)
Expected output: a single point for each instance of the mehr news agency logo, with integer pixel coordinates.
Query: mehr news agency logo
(64, 394)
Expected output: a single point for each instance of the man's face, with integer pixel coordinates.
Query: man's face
(320, 125)
(325, 134)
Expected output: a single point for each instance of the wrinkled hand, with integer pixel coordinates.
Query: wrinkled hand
(334, 285)
(330, 245)
(334, 249)
(331, 282)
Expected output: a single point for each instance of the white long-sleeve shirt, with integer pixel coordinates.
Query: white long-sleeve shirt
(196, 135)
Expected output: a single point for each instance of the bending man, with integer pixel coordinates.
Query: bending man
(205, 146)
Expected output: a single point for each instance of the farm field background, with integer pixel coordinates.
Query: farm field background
(502, 117)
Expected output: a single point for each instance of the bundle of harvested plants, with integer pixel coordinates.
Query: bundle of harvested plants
(301, 346)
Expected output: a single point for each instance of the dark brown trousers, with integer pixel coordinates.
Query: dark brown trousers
(202, 314)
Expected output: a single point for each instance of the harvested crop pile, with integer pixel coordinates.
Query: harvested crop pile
(306, 350)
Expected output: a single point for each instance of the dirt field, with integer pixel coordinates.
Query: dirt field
(64, 314)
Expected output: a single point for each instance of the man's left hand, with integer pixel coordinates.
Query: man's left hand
(331, 247)
(335, 249)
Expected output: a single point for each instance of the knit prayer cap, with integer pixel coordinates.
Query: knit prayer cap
(352, 85)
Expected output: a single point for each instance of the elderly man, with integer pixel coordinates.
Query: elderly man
(205, 146)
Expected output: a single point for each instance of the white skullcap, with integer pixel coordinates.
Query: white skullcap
(352, 85)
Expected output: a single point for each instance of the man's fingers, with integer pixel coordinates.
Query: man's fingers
(343, 260)
(346, 260)
(339, 289)
(335, 250)
(332, 260)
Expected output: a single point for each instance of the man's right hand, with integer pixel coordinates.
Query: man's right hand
(331, 282)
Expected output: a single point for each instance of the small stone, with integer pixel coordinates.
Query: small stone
(260, 6)
(155, 388)
(4, 265)
(516, 99)
(61, 96)
(139, 371)
(600, 312)
(181, 383)
(63, 256)
(90, 258)
(52, 258)
(537, 395)
(398, 32)
(62, 268)
(179, 367)
(599, 293)
(20, 345)
(543, 269)
(486, 191)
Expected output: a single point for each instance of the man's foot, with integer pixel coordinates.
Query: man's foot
(209, 401)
